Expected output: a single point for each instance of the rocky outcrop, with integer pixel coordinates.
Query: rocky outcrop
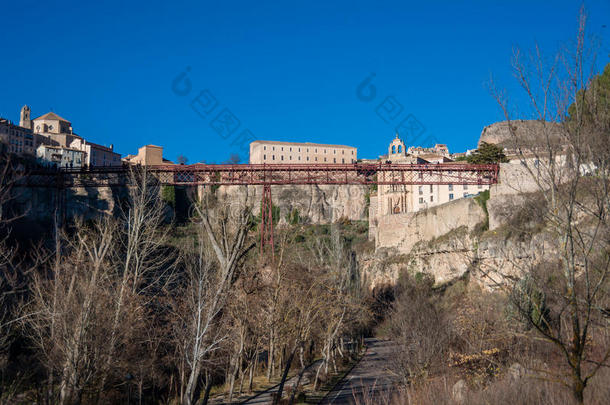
(41, 204)
(404, 231)
(317, 204)
(500, 133)
(434, 241)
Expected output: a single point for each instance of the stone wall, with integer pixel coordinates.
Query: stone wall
(403, 231)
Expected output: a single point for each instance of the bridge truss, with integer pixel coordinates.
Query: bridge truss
(267, 175)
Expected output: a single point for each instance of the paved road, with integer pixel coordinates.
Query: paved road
(266, 397)
(370, 376)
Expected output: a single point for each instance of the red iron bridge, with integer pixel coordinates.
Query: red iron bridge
(267, 176)
(270, 174)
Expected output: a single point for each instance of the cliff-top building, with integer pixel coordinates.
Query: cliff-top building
(398, 199)
(148, 155)
(17, 140)
(273, 152)
(52, 130)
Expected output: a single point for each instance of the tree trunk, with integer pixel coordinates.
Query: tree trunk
(191, 385)
(270, 355)
(296, 386)
(284, 376)
(208, 388)
(253, 369)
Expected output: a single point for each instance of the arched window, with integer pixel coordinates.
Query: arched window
(399, 148)
(393, 148)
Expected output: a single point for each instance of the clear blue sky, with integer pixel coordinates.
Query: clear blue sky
(286, 70)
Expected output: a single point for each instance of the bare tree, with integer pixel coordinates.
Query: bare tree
(141, 262)
(67, 316)
(563, 291)
(224, 232)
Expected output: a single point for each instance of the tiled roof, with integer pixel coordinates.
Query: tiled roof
(51, 116)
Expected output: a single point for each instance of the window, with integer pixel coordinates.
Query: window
(421, 190)
(272, 157)
(479, 186)
(316, 150)
(299, 158)
(450, 187)
(325, 151)
(290, 157)
(282, 157)
(430, 187)
(335, 151)
(421, 200)
(325, 159)
(343, 152)
(264, 157)
(299, 149)
(431, 198)
(352, 152)
(291, 149)
(273, 147)
(393, 148)
(334, 160)
(465, 186)
(316, 159)
(342, 160)
(264, 148)
(451, 196)
(399, 148)
(282, 148)
(308, 158)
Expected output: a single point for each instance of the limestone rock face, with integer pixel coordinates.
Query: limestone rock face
(403, 231)
(39, 204)
(315, 204)
(499, 132)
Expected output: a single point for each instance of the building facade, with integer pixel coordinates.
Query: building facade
(148, 155)
(397, 199)
(17, 140)
(52, 130)
(97, 155)
(58, 156)
(272, 152)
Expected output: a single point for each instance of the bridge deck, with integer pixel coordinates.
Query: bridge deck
(276, 174)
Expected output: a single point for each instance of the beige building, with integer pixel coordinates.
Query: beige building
(18, 140)
(272, 152)
(396, 199)
(53, 130)
(148, 155)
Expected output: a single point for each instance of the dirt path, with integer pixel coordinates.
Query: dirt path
(370, 375)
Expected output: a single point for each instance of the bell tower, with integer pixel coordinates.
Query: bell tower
(396, 148)
(25, 120)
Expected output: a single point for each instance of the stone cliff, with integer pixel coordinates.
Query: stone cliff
(449, 240)
(315, 204)
(318, 204)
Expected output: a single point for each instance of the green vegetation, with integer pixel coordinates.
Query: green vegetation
(293, 217)
(487, 153)
(482, 199)
(168, 195)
